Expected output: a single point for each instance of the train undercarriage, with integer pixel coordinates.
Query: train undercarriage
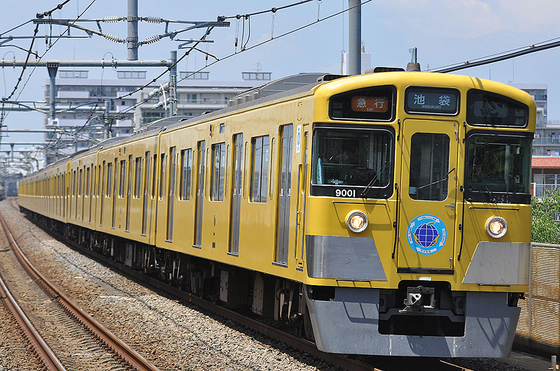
(417, 319)
(239, 289)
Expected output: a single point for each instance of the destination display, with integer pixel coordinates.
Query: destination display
(488, 109)
(432, 101)
(369, 104)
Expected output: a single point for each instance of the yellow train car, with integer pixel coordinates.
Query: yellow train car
(381, 214)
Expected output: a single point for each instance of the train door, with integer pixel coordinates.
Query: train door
(301, 145)
(128, 193)
(236, 181)
(284, 194)
(147, 172)
(115, 183)
(102, 195)
(171, 194)
(427, 196)
(199, 194)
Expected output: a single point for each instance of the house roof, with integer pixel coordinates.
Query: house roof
(546, 162)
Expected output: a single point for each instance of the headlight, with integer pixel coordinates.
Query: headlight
(496, 226)
(357, 221)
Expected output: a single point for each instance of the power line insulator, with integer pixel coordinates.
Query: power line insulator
(153, 20)
(114, 38)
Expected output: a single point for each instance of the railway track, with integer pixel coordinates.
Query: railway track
(40, 348)
(77, 341)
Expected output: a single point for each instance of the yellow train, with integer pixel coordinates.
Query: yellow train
(385, 213)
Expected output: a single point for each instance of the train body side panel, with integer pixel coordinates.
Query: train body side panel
(125, 206)
(259, 209)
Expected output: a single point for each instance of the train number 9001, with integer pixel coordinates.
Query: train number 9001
(345, 193)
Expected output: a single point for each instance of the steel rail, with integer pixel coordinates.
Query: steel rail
(42, 350)
(96, 329)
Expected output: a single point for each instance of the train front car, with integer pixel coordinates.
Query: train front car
(418, 216)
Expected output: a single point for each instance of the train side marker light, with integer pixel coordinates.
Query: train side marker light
(357, 221)
(496, 226)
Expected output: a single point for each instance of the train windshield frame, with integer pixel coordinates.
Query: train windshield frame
(353, 161)
(498, 167)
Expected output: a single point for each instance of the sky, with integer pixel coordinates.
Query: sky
(444, 32)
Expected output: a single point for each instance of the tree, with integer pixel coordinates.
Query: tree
(544, 228)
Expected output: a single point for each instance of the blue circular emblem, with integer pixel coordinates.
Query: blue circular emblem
(426, 234)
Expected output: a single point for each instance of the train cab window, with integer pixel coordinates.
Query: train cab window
(186, 169)
(429, 163)
(218, 171)
(352, 161)
(259, 171)
(498, 168)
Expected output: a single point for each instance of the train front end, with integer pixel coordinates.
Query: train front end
(418, 215)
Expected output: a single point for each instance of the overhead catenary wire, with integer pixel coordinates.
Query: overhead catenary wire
(498, 57)
(46, 51)
(194, 47)
(231, 54)
(271, 10)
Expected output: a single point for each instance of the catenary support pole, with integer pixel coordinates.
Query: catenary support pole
(355, 37)
(132, 39)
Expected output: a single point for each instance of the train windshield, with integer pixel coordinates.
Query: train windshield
(498, 169)
(352, 161)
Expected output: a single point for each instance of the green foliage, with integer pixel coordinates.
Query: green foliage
(544, 228)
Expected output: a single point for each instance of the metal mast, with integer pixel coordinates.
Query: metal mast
(132, 39)
(355, 37)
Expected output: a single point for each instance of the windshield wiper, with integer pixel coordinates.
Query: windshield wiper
(483, 178)
(373, 179)
(437, 181)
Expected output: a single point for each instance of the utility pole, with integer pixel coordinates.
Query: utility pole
(355, 37)
(173, 84)
(52, 67)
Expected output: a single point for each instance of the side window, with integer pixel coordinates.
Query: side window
(73, 184)
(186, 167)
(259, 168)
(100, 174)
(122, 179)
(162, 176)
(81, 183)
(138, 177)
(88, 180)
(109, 180)
(218, 171)
(429, 163)
(154, 177)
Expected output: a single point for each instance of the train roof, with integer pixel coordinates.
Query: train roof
(277, 89)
